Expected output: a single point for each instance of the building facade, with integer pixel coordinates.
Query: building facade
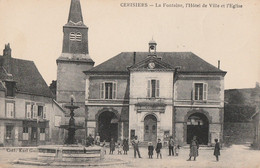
(27, 110)
(155, 95)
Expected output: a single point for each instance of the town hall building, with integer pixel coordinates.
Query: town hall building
(146, 94)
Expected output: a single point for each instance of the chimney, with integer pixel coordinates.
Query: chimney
(7, 58)
(134, 58)
(7, 51)
(218, 64)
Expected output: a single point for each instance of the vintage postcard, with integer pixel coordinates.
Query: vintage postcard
(122, 83)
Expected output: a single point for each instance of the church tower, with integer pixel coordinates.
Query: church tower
(73, 61)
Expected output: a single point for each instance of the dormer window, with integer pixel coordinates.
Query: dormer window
(75, 36)
(10, 88)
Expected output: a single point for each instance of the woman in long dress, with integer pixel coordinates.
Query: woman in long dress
(194, 146)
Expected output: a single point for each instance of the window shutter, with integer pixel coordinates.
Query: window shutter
(114, 90)
(46, 134)
(44, 112)
(7, 110)
(102, 90)
(149, 88)
(157, 88)
(28, 111)
(20, 133)
(11, 109)
(205, 91)
(193, 92)
(35, 111)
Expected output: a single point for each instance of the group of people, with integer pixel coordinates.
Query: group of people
(120, 147)
(173, 147)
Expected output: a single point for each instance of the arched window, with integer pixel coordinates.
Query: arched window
(78, 36)
(72, 36)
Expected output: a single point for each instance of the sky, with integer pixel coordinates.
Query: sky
(34, 30)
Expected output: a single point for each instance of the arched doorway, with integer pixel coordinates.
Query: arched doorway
(150, 128)
(198, 125)
(108, 126)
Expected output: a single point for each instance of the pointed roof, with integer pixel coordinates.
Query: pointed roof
(75, 14)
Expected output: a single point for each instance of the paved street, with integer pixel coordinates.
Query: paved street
(237, 156)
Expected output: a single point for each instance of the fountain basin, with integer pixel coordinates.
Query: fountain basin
(69, 153)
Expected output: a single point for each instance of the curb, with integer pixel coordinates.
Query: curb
(25, 162)
(63, 164)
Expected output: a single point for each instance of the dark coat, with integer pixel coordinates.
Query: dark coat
(89, 141)
(150, 149)
(171, 143)
(158, 147)
(217, 149)
(112, 145)
(125, 145)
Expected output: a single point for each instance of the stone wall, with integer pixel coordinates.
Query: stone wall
(238, 133)
(71, 81)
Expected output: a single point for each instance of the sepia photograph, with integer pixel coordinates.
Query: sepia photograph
(121, 83)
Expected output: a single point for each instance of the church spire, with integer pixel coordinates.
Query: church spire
(75, 15)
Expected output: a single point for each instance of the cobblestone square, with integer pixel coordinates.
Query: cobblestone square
(237, 156)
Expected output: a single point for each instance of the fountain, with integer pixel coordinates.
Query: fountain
(70, 151)
(72, 126)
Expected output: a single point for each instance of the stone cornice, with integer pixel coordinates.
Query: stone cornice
(82, 61)
(151, 70)
(222, 73)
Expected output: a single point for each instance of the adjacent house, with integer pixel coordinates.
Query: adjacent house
(27, 110)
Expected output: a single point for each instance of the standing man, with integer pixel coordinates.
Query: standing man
(112, 146)
(158, 149)
(217, 149)
(135, 143)
(171, 145)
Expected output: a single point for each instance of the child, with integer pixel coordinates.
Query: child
(119, 149)
(125, 146)
(217, 149)
(158, 148)
(150, 150)
(177, 149)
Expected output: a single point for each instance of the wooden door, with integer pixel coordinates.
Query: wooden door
(150, 128)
